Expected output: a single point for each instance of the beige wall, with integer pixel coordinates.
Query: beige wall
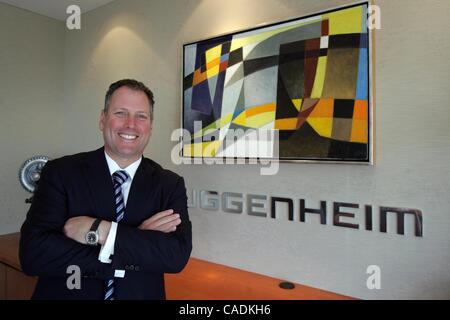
(143, 39)
(31, 119)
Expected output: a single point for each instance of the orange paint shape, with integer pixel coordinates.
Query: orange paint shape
(198, 77)
(323, 109)
(260, 109)
(212, 63)
(286, 124)
(359, 131)
(360, 110)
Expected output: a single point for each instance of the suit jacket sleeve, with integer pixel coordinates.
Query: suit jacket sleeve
(44, 249)
(154, 251)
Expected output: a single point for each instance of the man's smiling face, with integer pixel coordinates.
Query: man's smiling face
(126, 125)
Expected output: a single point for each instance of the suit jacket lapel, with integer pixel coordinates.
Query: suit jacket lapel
(140, 191)
(100, 184)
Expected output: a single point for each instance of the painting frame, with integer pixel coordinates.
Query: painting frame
(342, 105)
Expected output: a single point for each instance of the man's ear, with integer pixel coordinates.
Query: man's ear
(101, 121)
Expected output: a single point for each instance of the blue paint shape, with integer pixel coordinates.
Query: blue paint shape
(201, 98)
(363, 76)
(224, 57)
(363, 68)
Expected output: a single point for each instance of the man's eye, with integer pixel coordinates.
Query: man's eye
(142, 117)
(119, 113)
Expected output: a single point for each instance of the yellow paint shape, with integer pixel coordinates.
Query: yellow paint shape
(320, 78)
(322, 126)
(213, 53)
(212, 72)
(241, 119)
(218, 124)
(199, 133)
(345, 21)
(187, 150)
(197, 149)
(210, 148)
(297, 103)
(225, 120)
(259, 120)
(208, 130)
(203, 149)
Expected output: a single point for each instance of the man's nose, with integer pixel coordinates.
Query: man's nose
(130, 122)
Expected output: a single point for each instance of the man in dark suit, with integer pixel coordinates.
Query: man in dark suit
(74, 218)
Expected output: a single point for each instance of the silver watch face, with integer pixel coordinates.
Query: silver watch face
(92, 238)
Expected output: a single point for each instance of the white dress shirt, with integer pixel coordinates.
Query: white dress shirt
(108, 247)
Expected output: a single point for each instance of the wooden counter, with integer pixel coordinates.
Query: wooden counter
(14, 285)
(200, 280)
(204, 280)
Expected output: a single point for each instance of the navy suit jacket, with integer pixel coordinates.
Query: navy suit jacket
(81, 185)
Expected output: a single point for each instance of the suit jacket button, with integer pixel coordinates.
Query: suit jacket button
(132, 267)
(136, 268)
(127, 267)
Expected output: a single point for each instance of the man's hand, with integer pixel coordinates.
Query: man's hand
(77, 227)
(165, 221)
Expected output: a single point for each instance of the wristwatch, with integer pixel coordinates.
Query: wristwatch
(93, 235)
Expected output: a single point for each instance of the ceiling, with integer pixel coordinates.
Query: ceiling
(56, 8)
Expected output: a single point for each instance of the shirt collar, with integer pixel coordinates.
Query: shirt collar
(113, 166)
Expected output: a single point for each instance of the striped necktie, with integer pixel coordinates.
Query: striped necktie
(119, 178)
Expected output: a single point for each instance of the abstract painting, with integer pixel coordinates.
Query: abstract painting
(307, 79)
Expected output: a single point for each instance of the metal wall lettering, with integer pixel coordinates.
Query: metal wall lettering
(209, 200)
(228, 205)
(257, 205)
(252, 205)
